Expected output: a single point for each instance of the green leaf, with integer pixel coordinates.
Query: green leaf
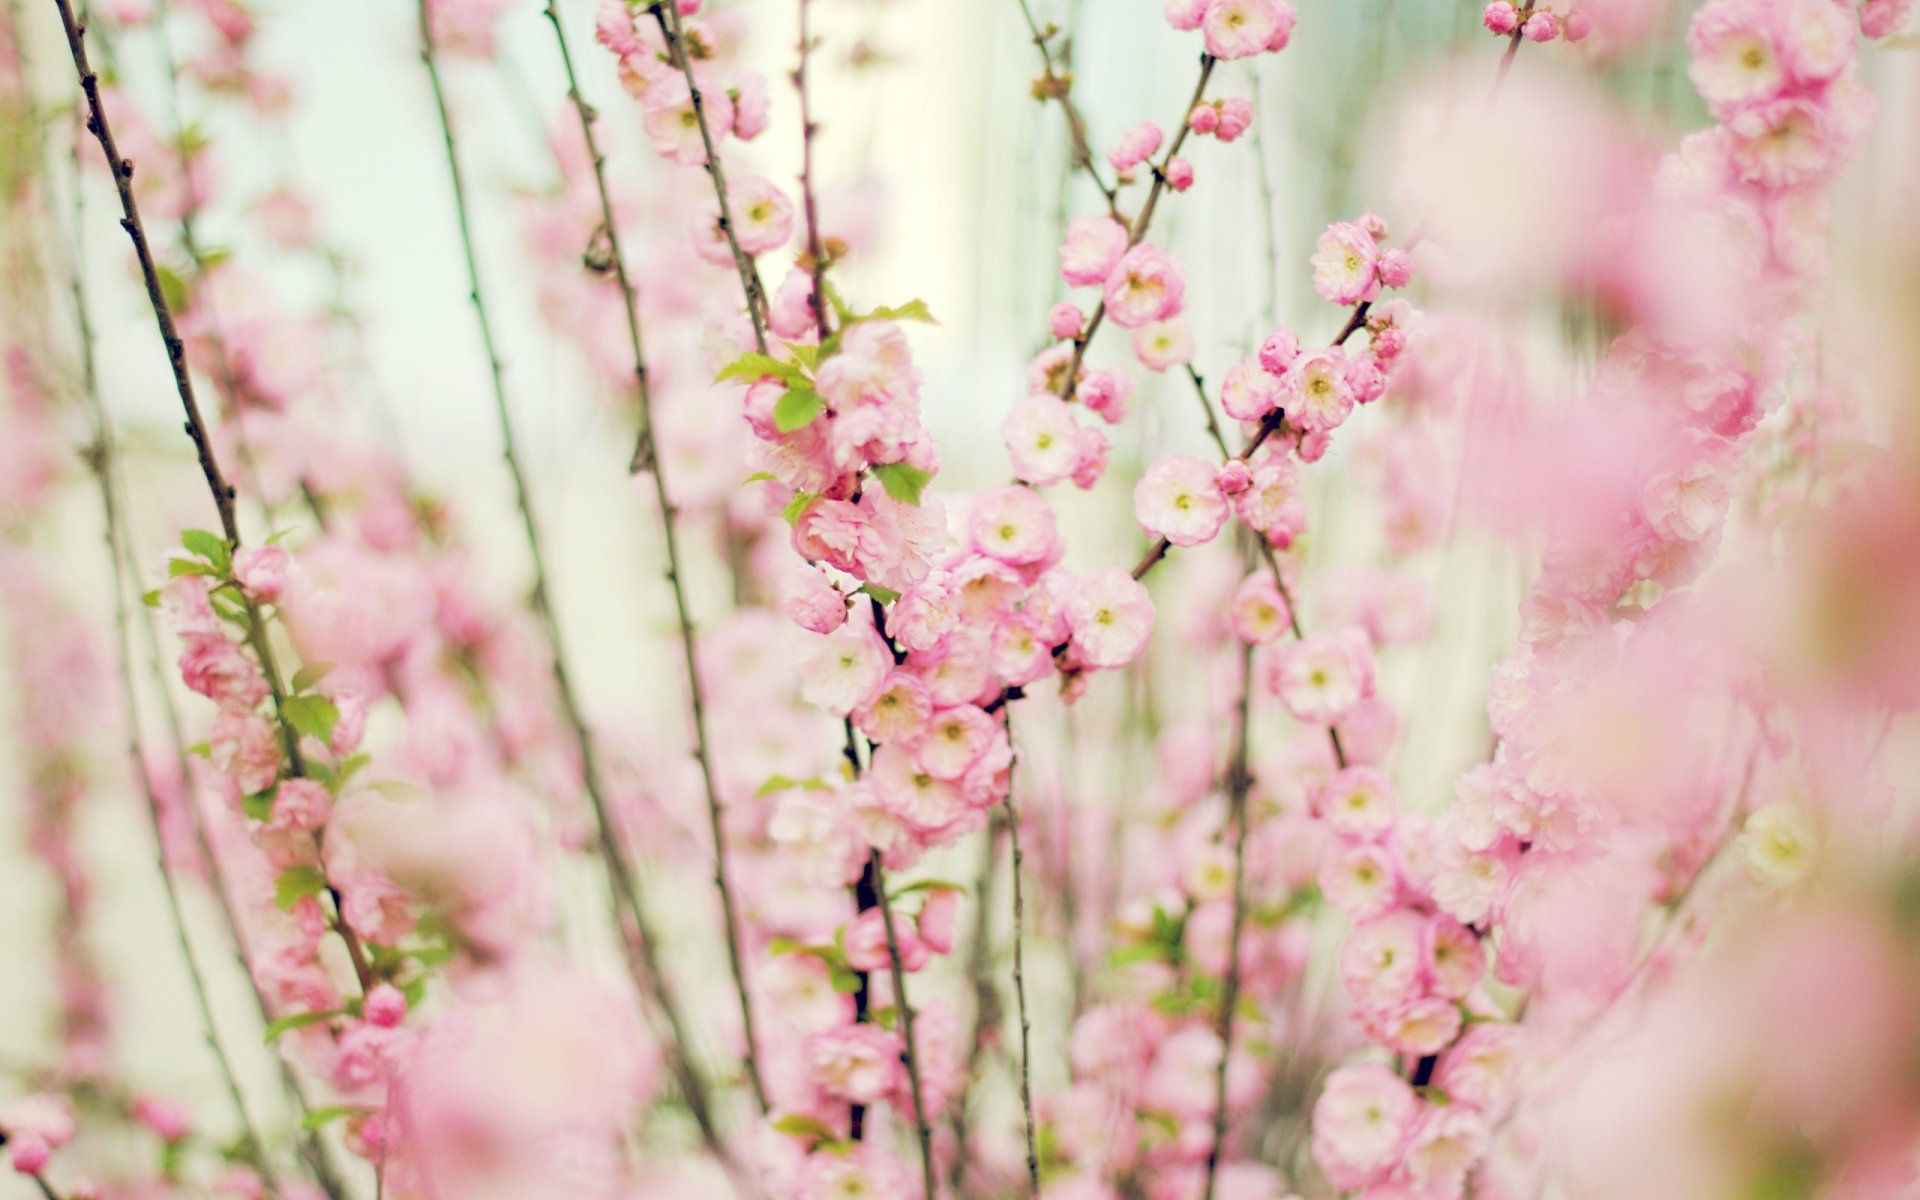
(347, 769)
(321, 1117)
(840, 308)
(797, 409)
(758, 366)
(210, 546)
(883, 594)
(844, 980)
(296, 884)
(903, 481)
(201, 749)
(885, 1017)
(151, 598)
(912, 310)
(927, 885)
(796, 507)
(177, 567)
(808, 356)
(172, 288)
(259, 805)
(307, 676)
(312, 715)
(295, 1021)
(781, 783)
(757, 477)
(801, 1125)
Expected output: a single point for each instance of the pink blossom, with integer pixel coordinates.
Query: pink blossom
(1042, 440)
(1179, 174)
(1110, 616)
(672, 123)
(1242, 28)
(1500, 17)
(1344, 264)
(1145, 285)
(1163, 344)
(1179, 499)
(1091, 250)
(1320, 395)
(263, 571)
(1249, 392)
(1259, 613)
(1236, 117)
(1542, 26)
(1066, 320)
(1278, 351)
(844, 669)
(1014, 525)
(854, 1063)
(1360, 1124)
(1136, 146)
(812, 601)
(1321, 677)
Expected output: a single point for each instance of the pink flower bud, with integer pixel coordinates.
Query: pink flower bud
(1066, 320)
(937, 919)
(1204, 119)
(1500, 17)
(1374, 224)
(1577, 26)
(1395, 268)
(1235, 477)
(1278, 351)
(386, 1006)
(30, 1153)
(1179, 174)
(1236, 117)
(262, 570)
(1542, 27)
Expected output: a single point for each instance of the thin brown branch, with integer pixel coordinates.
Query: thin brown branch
(670, 537)
(912, 1052)
(1239, 784)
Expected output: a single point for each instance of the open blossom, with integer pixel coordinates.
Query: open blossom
(1343, 264)
(1249, 392)
(1320, 394)
(1162, 344)
(1014, 525)
(1322, 676)
(1270, 504)
(1092, 248)
(1146, 285)
(673, 124)
(843, 669)
(762, 214)
(1259, 613)
(1042, 439)
(1242, 28)
(1179, 498)
(1110, 616)
(1360, 1124)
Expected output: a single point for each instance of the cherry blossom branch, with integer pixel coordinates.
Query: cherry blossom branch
(1019, 976)
(222, 491)
(1058, 87)
(670, 537)
(1239, 783)
(986, 999)
(912, 1054)
(642, 959)
(1138, 232)
(667, 16)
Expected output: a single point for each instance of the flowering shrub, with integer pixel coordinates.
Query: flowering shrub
(1490, 773)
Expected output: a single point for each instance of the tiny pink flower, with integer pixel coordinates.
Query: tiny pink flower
(1259, 613)
(1541, 27)
(1042, 440)
(1500, 17)
(1179, 499)
(1204, 119)
(1104, 392)
(1163, 344)
(1320, 396)
(1136, 146)
(1146, 285)
(263, 571)
(1179, 174)
(1395, 267)
(1110, 616)
(1014, 525)
(844, 669)
(1343, 264)
(1066, 320)
(1091, 250)
(1360, 1123)
(1236, 117)
(1278, 351)
(1322, 676)
(1249, 392)
(812, 601)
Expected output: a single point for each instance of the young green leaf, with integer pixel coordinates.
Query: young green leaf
(288, 1024)
(296, 884)
(312, 673)
(903, 481)
(797, 409)
(312, 715)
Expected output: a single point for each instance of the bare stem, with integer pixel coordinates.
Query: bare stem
(1057, 85)
(912, 1054)
(670, 536)
(1239, 783)
(816, 254)
(667, 16)
(639, 944)
(1020, 983)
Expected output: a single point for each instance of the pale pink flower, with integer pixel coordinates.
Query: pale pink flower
(1358, 802)
(1162, 344)
(1066, 320)
(1042, 440)
(1145, 285)
(1178, 498)
(954, 740)
(1360, 1124)
(1092, 248)
(1360, 880)
(844, 669)
(1186, 14)
(1343, 264)
(672, 123)
(1242, 28)
(1014, 525)
(1136, 146)
(928, 806)
(1258, 613)
(246, 749)
(864, 1172)
(1110, 615)
(1270, 504)
(898, 712)
(263, 571)
(1318, 390)
(762, 214)
(222, 672)
(1249, 392)
(1322, 676)
(812, 601)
